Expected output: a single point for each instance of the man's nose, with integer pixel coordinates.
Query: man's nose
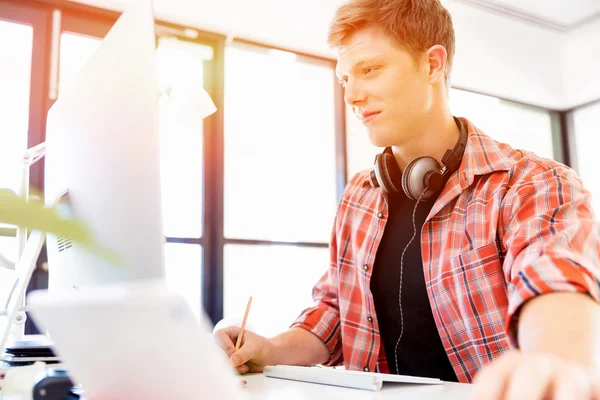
(354, 94)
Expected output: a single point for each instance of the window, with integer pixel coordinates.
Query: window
(279, 147)
(184, 272)
(15, 70)
(359, 149)
(180, 70)
(279, 279)
(522, 127)
(587, 142)
(280, 182)
(15, 76)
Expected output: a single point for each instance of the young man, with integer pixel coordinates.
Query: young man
(481, 263)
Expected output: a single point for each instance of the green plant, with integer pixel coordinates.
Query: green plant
(33, 215)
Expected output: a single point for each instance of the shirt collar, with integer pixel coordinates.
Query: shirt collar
(483, 155)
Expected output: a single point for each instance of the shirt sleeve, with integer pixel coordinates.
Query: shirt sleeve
(551, 236)
(323, 318)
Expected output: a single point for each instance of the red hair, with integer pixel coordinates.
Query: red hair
(415, 24)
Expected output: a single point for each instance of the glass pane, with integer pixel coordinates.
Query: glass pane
(15, 78)
(75, 51)
(8, 248)
(180, 70)
(184, 272)
(279, 279)
(15, 70)
(279, 147)
(359, 149)
(587, 142)
(522, 127)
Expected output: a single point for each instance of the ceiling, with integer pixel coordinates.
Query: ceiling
(302, 25)
(562, 15)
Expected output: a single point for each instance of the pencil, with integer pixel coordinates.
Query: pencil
(241, 335)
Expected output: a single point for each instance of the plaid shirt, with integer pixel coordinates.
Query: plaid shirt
(507, 226)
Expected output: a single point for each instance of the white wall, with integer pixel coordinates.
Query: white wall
(506, 57)
(581, 65)
(298, 25)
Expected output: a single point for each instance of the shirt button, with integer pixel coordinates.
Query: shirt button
(369, 319)
(366, 369)
(366, 267)
(379, 215)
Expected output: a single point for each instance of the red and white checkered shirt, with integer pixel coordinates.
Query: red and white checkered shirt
(507, 226)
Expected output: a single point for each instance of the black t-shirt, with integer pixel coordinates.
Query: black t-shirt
(420, 351)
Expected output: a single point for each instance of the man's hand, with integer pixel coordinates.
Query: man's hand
(535, 376)
(558, 334)
(254, 354)
(296, 346)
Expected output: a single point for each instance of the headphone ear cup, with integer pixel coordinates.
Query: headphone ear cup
(387, 172)
(413, 178)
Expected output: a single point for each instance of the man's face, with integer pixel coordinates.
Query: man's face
(388, 90)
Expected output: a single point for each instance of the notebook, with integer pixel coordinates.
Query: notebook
(337, 377)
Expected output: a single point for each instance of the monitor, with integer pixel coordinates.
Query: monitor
(102, 160)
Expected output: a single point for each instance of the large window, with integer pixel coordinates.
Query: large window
(279, 147)
(16, 42)
(15, 72)
(280, 181)
(180, 70)
(587, 143)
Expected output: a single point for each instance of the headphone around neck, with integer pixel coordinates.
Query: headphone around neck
(423, 177)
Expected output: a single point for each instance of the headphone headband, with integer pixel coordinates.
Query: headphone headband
(452, 158)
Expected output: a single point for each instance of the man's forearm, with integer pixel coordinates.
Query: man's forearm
(298, 347)
(563, 324)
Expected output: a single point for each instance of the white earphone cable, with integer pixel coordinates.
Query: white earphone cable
(401, 270)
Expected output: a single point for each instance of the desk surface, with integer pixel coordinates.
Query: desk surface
(262, 387)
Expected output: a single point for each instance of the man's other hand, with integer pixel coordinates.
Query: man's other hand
(535, 376)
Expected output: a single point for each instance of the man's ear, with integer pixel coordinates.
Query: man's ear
(436, 57)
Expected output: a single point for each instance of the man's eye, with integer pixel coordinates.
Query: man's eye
(368, 70)
(342, 82)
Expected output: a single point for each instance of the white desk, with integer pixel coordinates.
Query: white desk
(262, 387)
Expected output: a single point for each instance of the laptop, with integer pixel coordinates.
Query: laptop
(135, 340)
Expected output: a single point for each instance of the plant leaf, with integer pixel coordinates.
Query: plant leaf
(32, 214)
